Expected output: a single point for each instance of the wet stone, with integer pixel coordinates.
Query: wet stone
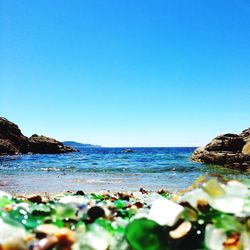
(80, 192)
(35, 198)
(95, 212)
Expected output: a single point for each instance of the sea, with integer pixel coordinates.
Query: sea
(95, 169)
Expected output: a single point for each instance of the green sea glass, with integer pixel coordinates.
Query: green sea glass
(120, 204)
(144, 234)
(64, 211)
(213, 188)
(228, 223)
(4, 200)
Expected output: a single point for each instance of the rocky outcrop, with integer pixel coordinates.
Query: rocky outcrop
(12, 141)
(45, 145)
(227, 142)
(229, 150)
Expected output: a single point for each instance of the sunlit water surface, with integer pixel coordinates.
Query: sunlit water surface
(95, 169)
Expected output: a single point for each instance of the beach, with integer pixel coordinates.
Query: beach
(190, 219)
(99, 198)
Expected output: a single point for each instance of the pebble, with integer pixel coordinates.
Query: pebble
(96, 212)
(35, 199)
(46, 243)
(181, 230)
(66, 237)
(48, 229)
(14, 244)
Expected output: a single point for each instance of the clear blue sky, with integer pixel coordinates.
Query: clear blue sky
(126, 73)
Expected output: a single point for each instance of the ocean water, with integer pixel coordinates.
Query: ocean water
(95, 169)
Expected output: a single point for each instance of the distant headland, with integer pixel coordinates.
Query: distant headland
(78, 145)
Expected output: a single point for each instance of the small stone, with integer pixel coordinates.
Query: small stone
(202, 205)
(232, 240)
(65, 237)
(236, 165)
(46, 243)
(48, 229)
(181, 230)
(35, 199)
(14, 244)
(11, 231)
(96, 212)
(143, 191)
(245, 165)
(80, 192)
(138, 204)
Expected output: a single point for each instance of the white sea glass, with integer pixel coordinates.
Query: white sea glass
(165, 212)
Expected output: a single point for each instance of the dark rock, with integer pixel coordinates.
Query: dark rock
(245, 165)
(35, 198)
(138, 204)
(244, 157)
(12, 141)
(227, 142)
(214, 157)
(235, 165)
(143, 191)
(96, 212)
(45, 145)
(6, 147)
(228, 150)
(79, 192)
(128, 150)
(233, 157)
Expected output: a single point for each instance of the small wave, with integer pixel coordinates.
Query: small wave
(95, 181)
(180, 156)
(50, 169)
(180, 169)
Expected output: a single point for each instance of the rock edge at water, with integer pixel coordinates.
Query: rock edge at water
(12, 142)
(228, 150)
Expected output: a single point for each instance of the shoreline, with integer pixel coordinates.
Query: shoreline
(87, 189)
(27, 183)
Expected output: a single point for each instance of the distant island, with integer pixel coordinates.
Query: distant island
(74, 144)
